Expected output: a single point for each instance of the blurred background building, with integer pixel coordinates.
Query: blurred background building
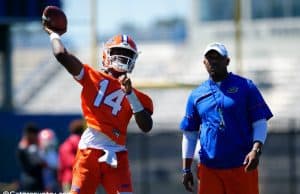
(263, 40)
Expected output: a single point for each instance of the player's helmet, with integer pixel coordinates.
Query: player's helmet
(47, 139)
(120, 53)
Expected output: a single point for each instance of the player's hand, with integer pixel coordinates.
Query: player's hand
(188, 181)
(251, 161)
(47, 29)
(125, 82)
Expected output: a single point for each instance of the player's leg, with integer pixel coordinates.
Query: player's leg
(238, 181)
(86, 172)
(118, 180)
(209, 182)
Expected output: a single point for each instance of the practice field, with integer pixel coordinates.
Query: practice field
(156, 157)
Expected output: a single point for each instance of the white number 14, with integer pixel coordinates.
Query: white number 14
(114, 99)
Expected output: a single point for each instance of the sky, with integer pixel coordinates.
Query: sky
(111, 14)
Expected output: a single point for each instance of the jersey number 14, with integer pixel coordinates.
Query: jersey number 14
(114, 99)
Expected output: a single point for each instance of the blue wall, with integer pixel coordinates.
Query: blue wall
(11, 132)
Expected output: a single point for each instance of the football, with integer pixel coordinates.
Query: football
(55, 19)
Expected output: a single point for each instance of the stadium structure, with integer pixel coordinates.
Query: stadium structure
(263, 42)
(262, 45)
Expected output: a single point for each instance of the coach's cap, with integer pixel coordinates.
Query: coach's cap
(216, 46)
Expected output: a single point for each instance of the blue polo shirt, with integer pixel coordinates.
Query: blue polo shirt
(223, 114)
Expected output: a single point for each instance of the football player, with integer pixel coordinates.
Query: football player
(108, 102)
(48, 150)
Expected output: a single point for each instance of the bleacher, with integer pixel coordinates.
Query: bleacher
(167, 72)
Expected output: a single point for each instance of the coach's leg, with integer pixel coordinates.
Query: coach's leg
(209, 181)
(239, 181)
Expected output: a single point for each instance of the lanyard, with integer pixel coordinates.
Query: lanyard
(220, 106)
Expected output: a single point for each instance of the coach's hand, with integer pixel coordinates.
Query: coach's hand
(188, 181)
(251, 161)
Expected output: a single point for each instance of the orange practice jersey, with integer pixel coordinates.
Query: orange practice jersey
(105, 106)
